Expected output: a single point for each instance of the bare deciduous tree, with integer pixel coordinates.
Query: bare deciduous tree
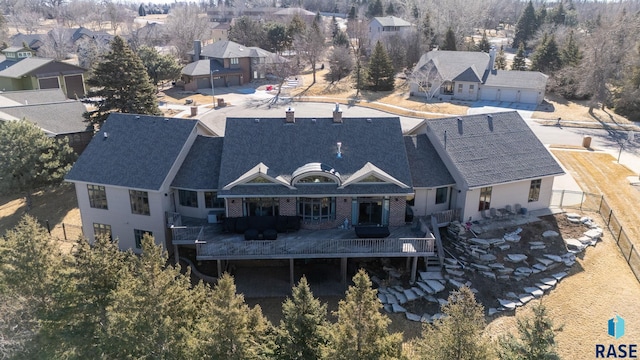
(185, 25)
(357, 31)
(57, 44)
(427, 79)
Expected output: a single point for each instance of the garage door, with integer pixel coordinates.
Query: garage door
(74, 86)
(488, 94)
(49, 83)
(204, 83)
(233, 80)
(508, 95)
(529, 97)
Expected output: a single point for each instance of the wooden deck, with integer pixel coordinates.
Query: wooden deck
(212, 244)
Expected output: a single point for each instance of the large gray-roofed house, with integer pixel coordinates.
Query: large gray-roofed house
(201, 168)
(471, 76)
(53, 118)
(133, 151)
(39, 73)
(486, 150)
(282, 148)
(32, 97)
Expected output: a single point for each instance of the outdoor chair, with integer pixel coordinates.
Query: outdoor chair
(485, 215)
(508, 210)
(495, 214)
(517, 208)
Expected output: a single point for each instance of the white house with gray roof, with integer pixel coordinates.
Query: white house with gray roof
(385, 26)
(148, 174)
(471, 76)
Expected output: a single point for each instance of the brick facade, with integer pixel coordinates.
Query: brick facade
(397, 208)
(343, 211)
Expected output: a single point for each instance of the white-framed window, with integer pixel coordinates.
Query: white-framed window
(471, 89)
(441, 195)
(102, 230)
(485, 198)
(188, 198)
(534, 190)
(234, 61)
(317, 209)
(138, 235)
(139, 202)
(459, 88)
(97, 196)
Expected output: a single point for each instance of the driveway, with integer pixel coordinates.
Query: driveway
(486, 107)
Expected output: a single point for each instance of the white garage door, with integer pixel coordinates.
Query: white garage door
(508, 95)
(488, 94)
(529, 97)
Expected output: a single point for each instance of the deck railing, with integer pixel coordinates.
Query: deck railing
(183, 235)
(330, 248)
(174, 219)
(447, 216)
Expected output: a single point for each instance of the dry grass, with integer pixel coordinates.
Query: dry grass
(577, 111)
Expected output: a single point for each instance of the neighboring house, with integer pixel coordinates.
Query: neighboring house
(323, 170)
(470, 76)
(13, 54)
(152, 34)
(495, 160)
(287, 14)
(220, 31)
(382, 27)
(49, 109)
(33, 41)
(226, 63)
(227, 14)
(34, 73)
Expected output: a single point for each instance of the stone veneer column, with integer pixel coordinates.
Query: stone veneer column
(234, 207)
(288, 206)
(397, 209)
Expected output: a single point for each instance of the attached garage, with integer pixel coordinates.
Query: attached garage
(529, 97)
(203, 83)
(508, 95)
(488, 93)
(233, 80)
(74, 85)
(49, 83)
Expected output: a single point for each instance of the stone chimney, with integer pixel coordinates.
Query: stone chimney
(492, 58)
(290, 118)
(337, 114)
(197, 49)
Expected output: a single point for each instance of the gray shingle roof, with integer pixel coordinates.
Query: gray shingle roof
(392, 21)
(204, 67)
(23, 67)
(284, 147)
(492, 151)
(32, 97)
(201, 168)
(138, 153)
(513, 78)
(225, 50)
(470, 74)
(53, 118)
(427, 168)
(450, 64)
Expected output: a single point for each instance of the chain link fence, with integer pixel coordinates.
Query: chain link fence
(569, 199)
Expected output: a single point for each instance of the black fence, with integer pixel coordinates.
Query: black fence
(568, 199)
(64, 231)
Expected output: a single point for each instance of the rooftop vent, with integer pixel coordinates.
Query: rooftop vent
(313, 120)
(290, 118)
(369, 120)
(337, 114)
(256, 120)
(490, 122)
(106, 134)
(339, 154)
(137, 116)
(460, 126)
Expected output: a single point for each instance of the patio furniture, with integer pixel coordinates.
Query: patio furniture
(495, 213)
(509, 210)
(485, 215)
(517, 208)
(372, 231)
(269, 234)
(251, 234)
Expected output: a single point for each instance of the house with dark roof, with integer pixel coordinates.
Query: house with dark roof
(323, 173)
(226, 63)
(50, 110)
(385, 26)
(471, 76)
(33, 73)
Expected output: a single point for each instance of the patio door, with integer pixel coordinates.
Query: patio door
(370, 211)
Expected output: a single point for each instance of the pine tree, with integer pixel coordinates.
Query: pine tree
(458, 335)
(427, 30)
(121, 84)
(159, 67)
(536, 339)
(449, 42)
(303, 331)
(501, 60)
(546, 58)
(391, 10)
(375, 9)
(526, 26)
(519, 62)
(381, 74)
(234, 331)
(30, 160)
(352, 13)
(484, 45)
(571, 54)
(361, 331)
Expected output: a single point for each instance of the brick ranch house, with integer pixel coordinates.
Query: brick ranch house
(327, 172)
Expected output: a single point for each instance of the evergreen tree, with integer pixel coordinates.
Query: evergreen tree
(484, 45)
(381, 73)
(352, 13)
(415, 11)
(526, 26)
(121, 85)
(234, 331)
(571, 54)
(546, 58)
(458, 335)
(296, 27)
(303, 330)
(536, 342)
(558, 16)
(391, 10)
(278, 37)
(159, 67)
(142, 11)
(341, 39)
(427, 30)
(501, 60)
(519, 62)
(335, 28)
(375, 9)
(361, 331)
(449, 42)
(153, 311)
(30, 160)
